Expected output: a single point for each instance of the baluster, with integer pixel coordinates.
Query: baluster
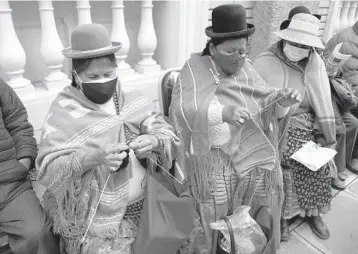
(336, 19)
(352, 13)
(51, 47)
(12, 54)
(83, 12)
(119, 33)
(147, 40)
(332, 21)
(344, 15)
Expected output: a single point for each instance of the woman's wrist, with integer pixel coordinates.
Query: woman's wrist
(155, 143)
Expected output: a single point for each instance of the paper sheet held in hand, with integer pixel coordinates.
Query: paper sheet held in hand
(313, 156)
(336, 60)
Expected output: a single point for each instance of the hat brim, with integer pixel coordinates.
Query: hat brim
(75, 54)
(243, 33)
(301, 38)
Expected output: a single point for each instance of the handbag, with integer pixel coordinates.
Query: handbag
(343, 94)
(268, 232)
(167, 219)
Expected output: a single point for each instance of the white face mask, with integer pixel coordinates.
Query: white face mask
(295, 54)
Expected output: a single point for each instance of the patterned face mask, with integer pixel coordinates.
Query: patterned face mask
(229, 63)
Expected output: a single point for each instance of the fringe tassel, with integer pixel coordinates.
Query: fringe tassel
(276, 132)
(69, 209)
(203, 168)
(203, 173)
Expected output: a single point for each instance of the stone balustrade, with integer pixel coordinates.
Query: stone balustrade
(341, 14)
(33, 34)
(37, 98)
(13, 56)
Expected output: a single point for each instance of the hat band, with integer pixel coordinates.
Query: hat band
(301, 31)
(91, 50)
(314, 22)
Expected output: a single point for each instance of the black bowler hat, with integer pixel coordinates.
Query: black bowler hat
(229, 21)
(293, 12)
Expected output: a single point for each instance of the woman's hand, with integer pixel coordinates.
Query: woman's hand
(111, 156)
(289, 97)
(144, 145)
(235, 115)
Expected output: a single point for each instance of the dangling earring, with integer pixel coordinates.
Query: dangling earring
(78, 81)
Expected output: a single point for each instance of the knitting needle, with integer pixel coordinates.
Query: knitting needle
(105, 184)
(165, 171)
(268, 105)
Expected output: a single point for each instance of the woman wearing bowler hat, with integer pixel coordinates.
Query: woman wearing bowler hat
(226, 118)
(293, 62)
(94, 184)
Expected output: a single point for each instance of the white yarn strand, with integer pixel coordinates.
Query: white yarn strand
(105, 184)
(104, 187)
(95, 210)
(166, 171)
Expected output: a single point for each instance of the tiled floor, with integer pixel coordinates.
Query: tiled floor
(342, 221)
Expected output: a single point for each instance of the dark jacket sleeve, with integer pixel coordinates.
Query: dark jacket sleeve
(16, 123)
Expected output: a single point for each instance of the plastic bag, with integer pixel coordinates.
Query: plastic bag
(249, 238)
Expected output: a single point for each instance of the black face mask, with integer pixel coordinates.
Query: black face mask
(99, 91)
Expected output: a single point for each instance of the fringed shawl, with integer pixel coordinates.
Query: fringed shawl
(312, 81)
(73, 126)
(253, 145)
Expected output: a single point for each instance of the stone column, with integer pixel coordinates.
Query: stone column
(267, 17)
(51, 47)
(119, 34)
(147, 40)
(83, 12)
(344, 15)
(352, 12)
(333, 20)
(12, 54)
